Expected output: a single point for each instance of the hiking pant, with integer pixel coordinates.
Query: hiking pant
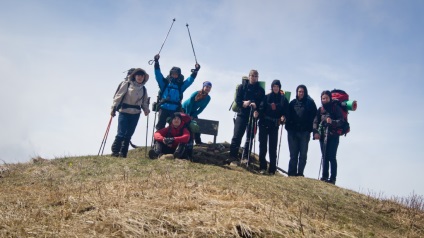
(197, 138)
(160, 148)
(126, 127)
(298, 147)
(163, 116)
(240, 126)
(266, 132)
(182, 150)
(329, 160)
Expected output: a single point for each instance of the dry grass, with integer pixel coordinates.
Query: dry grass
(136, 197)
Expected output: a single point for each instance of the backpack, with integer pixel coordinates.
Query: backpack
(244, 83)
(129, 72)
(167, 81)
(341, 98)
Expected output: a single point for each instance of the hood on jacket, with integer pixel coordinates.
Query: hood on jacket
(306, 95)
(139, 71)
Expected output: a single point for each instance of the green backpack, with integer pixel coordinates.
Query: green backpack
(244, 82)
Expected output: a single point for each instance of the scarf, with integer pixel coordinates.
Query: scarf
(200, 96)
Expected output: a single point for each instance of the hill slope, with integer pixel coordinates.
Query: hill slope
(101, 196)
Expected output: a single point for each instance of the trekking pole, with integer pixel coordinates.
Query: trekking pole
(279, 145)
(250, 136)
(254, 135)
(151, 61)
(247, 130)
(105, 136)
(154, 121)
(147, 128)
(191, 43)
(324, 151)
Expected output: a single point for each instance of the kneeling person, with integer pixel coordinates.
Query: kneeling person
(172, 139)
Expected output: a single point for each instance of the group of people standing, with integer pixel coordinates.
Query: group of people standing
(301, 117)
(256, 110)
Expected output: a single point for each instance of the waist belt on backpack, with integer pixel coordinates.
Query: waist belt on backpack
(125, 106)
(276, 121)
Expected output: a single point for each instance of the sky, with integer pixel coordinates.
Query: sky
(61, 61)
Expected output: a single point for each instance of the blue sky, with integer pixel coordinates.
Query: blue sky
(61, 61)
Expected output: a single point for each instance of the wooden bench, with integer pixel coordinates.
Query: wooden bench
(208, 127)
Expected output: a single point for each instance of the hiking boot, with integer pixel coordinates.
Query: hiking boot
(332, 181)
(262, 171)
(114, 154)
(122, 155)
(323, 179)
(231, 159)
(153, 154)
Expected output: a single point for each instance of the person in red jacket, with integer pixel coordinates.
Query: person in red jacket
(172, 139)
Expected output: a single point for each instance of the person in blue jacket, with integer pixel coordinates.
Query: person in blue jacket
(196, 104)
(171, 91)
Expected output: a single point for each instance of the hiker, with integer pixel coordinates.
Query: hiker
(130, 98)
(302, 112)
(171, 91)
(172, 139)
(196, 104)
(273, 111)
(248, 98)
(328, 120)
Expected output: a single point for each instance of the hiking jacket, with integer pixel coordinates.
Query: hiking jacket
(335, 113)
(132, 96)
(172, 92)
(301, 114)
(269, 117)
(252, 92)
(180, 134)
(193, 108)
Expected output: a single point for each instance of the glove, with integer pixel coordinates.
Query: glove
(113, 112)
(168, 140)
(157, 57)
(273, 107)
(197, 67)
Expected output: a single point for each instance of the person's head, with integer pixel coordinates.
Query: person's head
(176, 120)
(175, 72)
(325, 97)
(253, 76)
(207, 86)
(276, 86)
(139, 75)
(301, 92)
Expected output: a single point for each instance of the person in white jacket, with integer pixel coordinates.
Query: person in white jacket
(130, 99)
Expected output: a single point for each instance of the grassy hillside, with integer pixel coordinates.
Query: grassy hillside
(102, 196)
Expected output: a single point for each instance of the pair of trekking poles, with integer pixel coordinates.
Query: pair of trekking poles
(191, 41)
(253, 129)
(103, 144)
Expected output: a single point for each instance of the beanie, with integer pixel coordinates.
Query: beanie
(207, 83)
(276, 82)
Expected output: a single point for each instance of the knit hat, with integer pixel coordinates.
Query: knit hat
(207, 83)
(177, 114)
(276, 82)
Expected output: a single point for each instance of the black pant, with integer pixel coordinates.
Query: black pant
(329, 159)
(266, 132)
(163, 116)
(298, 146)
(240, 125)
(182, 151)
